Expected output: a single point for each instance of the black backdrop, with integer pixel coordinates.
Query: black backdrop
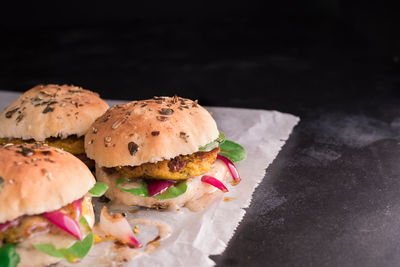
(286, 55)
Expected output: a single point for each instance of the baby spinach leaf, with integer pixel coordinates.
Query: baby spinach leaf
(233, 151)
(142, 191)
(83, 223)
(8, 256)
(80, 249)
(174, 191)
(98, 189)
(49, 249)
(216, 143)
(77, 251)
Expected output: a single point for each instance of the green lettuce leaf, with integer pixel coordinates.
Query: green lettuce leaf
(232, 151)
(216, 143)
(84, 225)
(174, 191)
(8, 256)
(142, 192)
(77, 251)
(82, 248)
(98, 189)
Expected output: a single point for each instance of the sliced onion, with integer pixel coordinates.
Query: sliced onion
(6, 225)
(77, 208)
(157, 187)
(117, 226)
(214, 182)
(232, 169)
(64, 222)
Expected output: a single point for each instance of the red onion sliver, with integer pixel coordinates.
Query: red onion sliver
(64, 222)
(157, 187)
(214, 182)
(134, 242)
(117, 226)
(232, 169)
(78, 208)
(6, 225)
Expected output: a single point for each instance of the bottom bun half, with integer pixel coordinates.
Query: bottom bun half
(197, 196)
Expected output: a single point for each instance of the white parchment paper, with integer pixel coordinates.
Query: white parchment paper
(197, 235)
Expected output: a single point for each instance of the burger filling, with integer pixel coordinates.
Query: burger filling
(167, 179)
(75, 220)
(30, 225)
(178, 168)
(164, 179)
(72, 144)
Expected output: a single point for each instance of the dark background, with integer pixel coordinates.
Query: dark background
(262, 54)
(331, 197)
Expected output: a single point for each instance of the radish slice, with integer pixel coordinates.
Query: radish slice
(157, 187)
(77, 208)
(64, 222)
(117, 226)
(232, 169)
(6, 225)
(214, 182)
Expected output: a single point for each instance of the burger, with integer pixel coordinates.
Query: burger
(58, 115)
(163, 152)
(46, 212)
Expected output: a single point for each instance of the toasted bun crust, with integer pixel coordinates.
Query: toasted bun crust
(30, 256)
(51, 111)
(197, 196)
(149, 131)
(36, 179)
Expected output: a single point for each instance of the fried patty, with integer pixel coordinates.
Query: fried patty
(178, 168)
(71, 144)
(35, 224)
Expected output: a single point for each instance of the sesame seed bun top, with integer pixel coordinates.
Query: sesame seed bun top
(149, 131)
(51, 111)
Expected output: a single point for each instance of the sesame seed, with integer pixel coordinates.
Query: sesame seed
(161, 118)
(133, 148)
(166, 111)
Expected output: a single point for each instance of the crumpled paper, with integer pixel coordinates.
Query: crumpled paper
(197, 235)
